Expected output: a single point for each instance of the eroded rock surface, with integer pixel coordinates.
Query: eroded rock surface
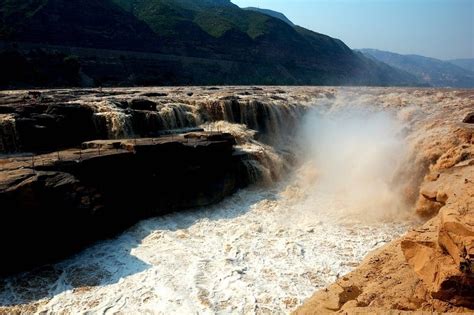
(430, 268)
(441, 253)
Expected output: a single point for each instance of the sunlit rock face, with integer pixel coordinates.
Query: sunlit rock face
(337, 174)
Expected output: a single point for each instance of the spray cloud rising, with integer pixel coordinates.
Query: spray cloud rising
(355, 154)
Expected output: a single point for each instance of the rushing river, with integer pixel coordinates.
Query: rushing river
(261, 251)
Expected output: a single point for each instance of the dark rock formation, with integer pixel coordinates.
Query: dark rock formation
(53, 205)
(142, 104)
(36, 126)
(469, 119)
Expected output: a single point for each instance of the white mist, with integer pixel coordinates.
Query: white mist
(355, 155)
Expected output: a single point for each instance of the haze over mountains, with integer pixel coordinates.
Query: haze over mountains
(431, 71)
(171, 42)
(466, 63)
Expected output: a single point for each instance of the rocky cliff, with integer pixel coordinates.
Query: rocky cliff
(54, 204)
(431, 267)
(61, 190)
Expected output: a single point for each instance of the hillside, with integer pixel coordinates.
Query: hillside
(87, 23)
(432, 71)
(275, 14)
(182, 42)
(467, 64)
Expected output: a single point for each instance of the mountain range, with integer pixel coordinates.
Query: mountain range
(467, 63)
(172, 42)
(431, 71)
(272, 13)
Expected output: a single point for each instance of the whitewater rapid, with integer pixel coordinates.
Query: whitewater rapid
(263, 250)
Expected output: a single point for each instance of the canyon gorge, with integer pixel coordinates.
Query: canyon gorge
(237, 200)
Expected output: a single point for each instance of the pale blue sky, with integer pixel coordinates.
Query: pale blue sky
(435, 28)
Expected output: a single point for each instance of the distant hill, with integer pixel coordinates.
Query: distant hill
(467, 64)
(275, 14)
(432, 71)
(170, 42)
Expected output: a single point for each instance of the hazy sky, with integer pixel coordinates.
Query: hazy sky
(436, 28)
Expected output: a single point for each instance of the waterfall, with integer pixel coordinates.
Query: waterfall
(256, 172)
(274, 121)
(8, 134)
(117, 121)
(265, 131)
(177, 116)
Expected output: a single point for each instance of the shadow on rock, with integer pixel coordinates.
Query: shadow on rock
(100, 265)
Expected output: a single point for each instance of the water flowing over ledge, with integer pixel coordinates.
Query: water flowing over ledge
(265, 249)
(56, 119)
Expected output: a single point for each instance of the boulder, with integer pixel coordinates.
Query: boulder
(142, 104)
(469, 119)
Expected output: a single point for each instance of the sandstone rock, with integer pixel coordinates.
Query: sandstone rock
(427, 207)
(430, 254)
(442, 253)
(442, 197)
(431, 268)
(456, 236)
(428, 192)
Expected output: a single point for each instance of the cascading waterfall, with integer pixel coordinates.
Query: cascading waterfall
(177, 116)
(265, 249)
(272, 127)
(274, 121)
(114, 118)
(118, 122)
(264, 130)
(262, 251)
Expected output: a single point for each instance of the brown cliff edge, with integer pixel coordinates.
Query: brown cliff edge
(431, 268)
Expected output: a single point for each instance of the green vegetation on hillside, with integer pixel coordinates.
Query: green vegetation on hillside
(14, 12)
(213, 31)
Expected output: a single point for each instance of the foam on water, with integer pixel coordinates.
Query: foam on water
(263, 250)
(260, 251)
